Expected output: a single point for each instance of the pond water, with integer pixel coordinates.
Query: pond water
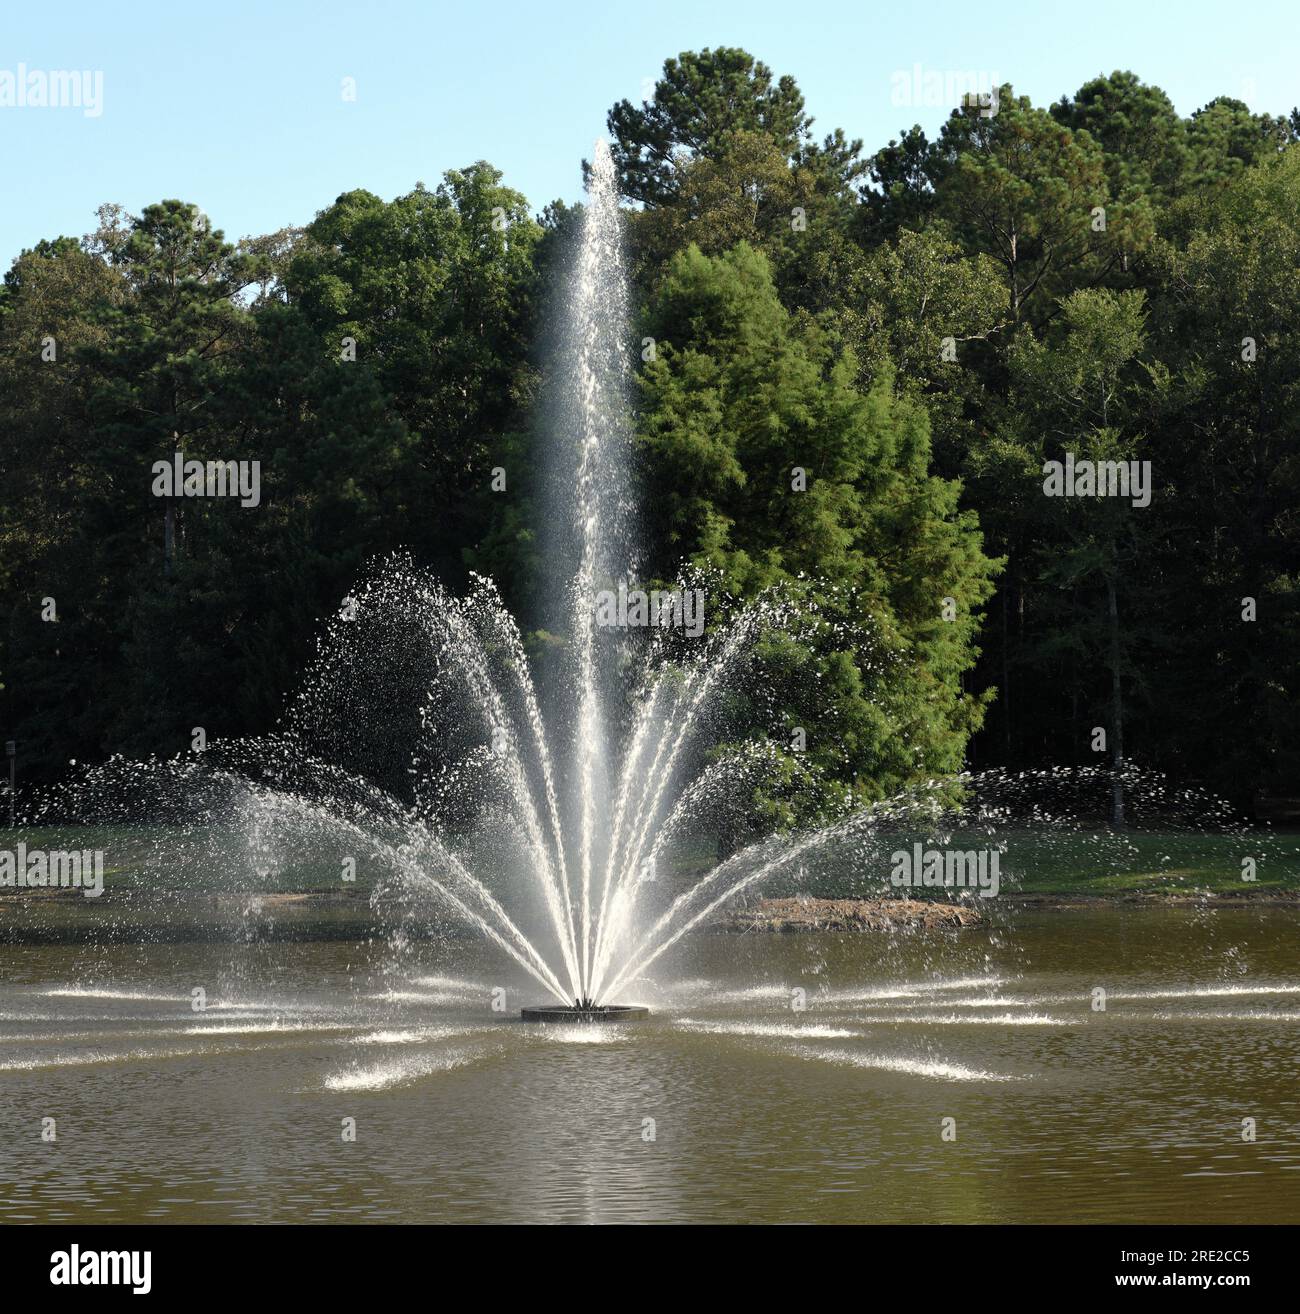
(790, 1078)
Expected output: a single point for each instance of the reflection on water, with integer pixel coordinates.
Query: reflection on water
(780, 1078)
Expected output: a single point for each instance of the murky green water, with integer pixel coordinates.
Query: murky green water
(760, 1112)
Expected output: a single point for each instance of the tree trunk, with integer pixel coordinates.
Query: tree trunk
(169, 535)
(1117, 707)
(1006, 668)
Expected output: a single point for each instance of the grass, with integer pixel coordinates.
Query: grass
(135, 858)
(1046, 862)
(1055, 862)
(1152, 862)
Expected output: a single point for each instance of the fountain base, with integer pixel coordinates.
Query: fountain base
(587, 1013)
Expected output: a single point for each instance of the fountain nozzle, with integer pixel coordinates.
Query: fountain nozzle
(583, 1010)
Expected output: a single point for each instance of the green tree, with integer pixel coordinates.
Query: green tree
(1227, 279)
(1136, 125)
(1225, 137)
(1031, 194)
(54, 672)
(1077, 560)
(920, 304)
(772, 469)
(723, 153)
(901, 192)
(435, 289)
(700, 101)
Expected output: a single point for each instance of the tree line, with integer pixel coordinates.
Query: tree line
(919, 331)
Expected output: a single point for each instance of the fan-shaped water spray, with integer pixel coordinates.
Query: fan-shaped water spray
(540, 830)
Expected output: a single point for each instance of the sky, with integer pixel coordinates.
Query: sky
(240, 107)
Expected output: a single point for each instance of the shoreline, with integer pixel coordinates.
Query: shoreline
(806, 913)
(160, 917)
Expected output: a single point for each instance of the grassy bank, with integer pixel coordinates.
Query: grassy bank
(1098, 863)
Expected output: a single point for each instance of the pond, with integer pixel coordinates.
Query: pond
(967, 1076)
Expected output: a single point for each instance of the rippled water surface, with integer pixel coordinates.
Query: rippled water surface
(731, 1103)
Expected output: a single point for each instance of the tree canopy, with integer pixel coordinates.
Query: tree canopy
(861, 365)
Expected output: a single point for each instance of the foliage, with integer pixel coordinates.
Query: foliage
(917, 330)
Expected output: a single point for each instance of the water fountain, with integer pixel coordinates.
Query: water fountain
(547, 846)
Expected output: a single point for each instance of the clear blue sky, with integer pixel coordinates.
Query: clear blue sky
(238, 107)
